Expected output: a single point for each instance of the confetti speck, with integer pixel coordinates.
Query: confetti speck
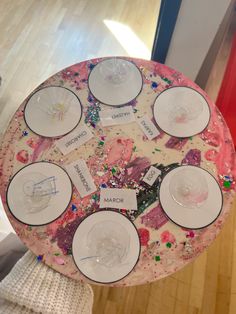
(74, 208)
(154, 85)
(39, 258)
(227, 184)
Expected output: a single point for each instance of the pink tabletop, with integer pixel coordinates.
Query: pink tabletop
(119, 156)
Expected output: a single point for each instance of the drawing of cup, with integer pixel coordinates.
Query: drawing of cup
(189, 188)
(37, 191)
(115, 71)
(109, 243)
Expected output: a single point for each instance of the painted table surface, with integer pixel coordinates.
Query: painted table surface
(119, 156)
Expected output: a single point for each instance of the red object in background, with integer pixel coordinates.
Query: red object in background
(226, 100)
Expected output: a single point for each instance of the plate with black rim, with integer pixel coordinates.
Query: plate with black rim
(191, 197)
(115, 81)
(53, 111)
(106, 246)
(181, 111)
(39, 193)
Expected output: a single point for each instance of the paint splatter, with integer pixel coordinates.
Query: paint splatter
(74, 208)
(144, 236)
(59, 260)
(176, 143)
(64, 235)
(211, 155)
(211, 138)
(155, 218)
(22, 156)
(25, 133)
(32, 143)
(154, 85)
(39, 258)
(193, 157)
(167, 236)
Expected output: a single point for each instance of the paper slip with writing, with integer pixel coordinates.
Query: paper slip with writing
(117, 116)
(118, 198)
(151, 176)
(81, 177)
(75, 139)
(148, 127)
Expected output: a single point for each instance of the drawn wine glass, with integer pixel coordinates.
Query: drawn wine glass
(185, 112)
(55, 110)
(115, 70)
(37, 191)
(189, 188)
(108, 244)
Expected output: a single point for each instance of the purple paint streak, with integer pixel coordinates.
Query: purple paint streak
(176, 143)
(155, 218)
(42, 145)
(193, 157)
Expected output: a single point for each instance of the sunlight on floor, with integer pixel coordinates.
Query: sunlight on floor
(128, 40)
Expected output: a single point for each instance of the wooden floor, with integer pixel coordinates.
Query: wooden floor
(38, 38)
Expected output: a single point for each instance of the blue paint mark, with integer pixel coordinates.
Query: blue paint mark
(39, 258)
(154, 85)
(91, 66)
(74, 208)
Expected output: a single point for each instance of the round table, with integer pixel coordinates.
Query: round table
(123, 151)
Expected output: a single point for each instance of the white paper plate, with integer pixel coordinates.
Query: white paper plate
(106, 246)
(115, 81)
(181, 111)
(39, 193)
(53, 111)
(191, 197)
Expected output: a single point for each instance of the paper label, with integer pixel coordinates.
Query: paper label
(81, 177)
(117, 116)
(151, 176)
(118, 198)
(74, 140)
(148, 127)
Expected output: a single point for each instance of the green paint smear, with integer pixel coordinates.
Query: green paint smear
(168, 244)
(227, 184)
(150, 195)
(157, 258)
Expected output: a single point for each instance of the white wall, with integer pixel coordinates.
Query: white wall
(196, 27)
